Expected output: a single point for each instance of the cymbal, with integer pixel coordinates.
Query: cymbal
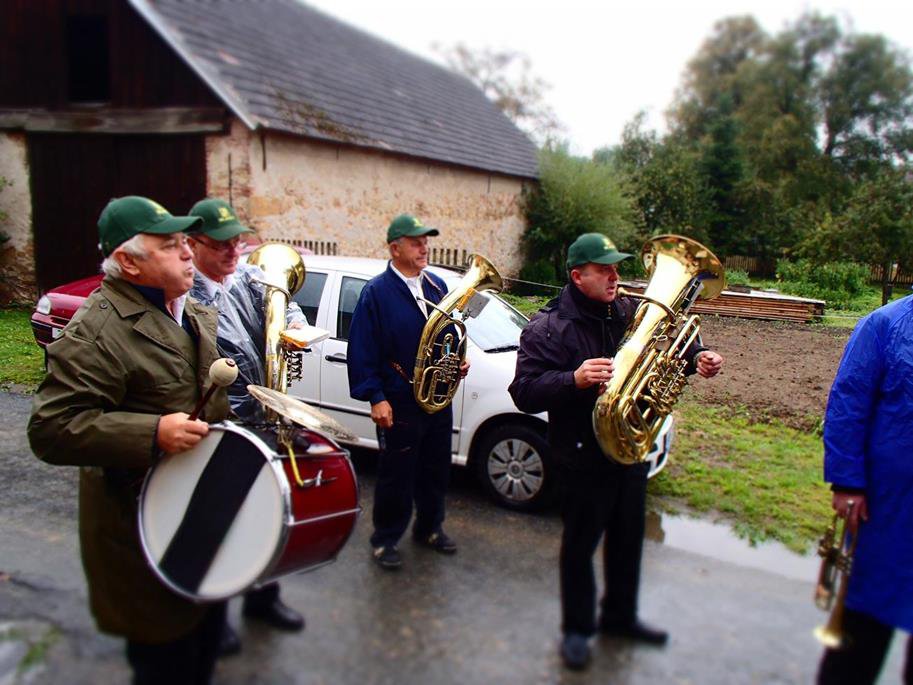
(298, 412)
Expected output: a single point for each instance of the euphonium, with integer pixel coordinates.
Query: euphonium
(649, 371)
(441, 352)
(284, 275)
(836, 559)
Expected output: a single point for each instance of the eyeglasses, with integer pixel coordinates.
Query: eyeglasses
(223, 245)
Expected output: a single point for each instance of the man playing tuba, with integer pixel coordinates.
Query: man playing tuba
(235, 291)
(564, 361)
(415, 447)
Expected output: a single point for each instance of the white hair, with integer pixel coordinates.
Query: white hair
(136, 247)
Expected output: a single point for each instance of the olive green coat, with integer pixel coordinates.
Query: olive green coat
(120, 365)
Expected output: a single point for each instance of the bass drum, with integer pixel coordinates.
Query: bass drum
(230, 514)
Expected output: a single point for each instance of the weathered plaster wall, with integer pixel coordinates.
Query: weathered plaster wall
(307, 190)
(228, 167)
(17, 257)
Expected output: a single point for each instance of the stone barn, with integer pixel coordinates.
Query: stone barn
(317, 132)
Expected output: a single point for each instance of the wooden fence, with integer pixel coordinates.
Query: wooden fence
(902, 278)
(325, 247)
(767, 268)
(449, 256)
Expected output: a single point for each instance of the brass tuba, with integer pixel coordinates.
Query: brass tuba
(649, 371)
(284, 275)
(836, 559)
(441, 352)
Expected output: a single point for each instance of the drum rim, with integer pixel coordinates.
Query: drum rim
(286, 505)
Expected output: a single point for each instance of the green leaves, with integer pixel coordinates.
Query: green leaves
(575, 195)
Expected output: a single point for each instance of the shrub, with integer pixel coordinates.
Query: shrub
(574, 195)
(538, 271)
(737, 277)
(838, 283)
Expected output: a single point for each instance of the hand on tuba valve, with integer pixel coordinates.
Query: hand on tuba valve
(836, 566)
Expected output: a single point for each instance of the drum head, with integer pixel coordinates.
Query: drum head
(212, 519)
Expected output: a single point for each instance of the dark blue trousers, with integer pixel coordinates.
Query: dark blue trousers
(596, 505)
(413, 468)
(860, 661)
(189, 660)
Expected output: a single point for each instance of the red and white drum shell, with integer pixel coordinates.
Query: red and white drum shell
(229, 514)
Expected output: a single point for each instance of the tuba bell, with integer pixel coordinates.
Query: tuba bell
(284, 275)
(441, 352)
(649, 365)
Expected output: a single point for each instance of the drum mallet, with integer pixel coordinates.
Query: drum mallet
(222, 373)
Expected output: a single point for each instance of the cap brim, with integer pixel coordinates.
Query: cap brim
(419, 231)
(226, 232)
(174, 224)
(612, 258)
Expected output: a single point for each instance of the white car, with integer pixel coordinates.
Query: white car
(506, 447)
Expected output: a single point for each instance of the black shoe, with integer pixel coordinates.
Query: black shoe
(575, 651)
(229, 643)
(439, 542)
(638, 630)
(276, 614)
(387, 557)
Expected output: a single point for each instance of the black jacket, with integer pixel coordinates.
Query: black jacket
(558, 339)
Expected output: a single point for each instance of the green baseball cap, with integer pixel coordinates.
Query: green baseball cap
(125, 217)
(407, 225)
(593, 247)
(219, 220)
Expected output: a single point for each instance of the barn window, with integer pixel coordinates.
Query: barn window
(87, 58)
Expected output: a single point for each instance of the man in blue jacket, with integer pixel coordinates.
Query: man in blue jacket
(415, 447)
(868, 459)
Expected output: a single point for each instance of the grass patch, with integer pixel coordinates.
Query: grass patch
(21, 360)
(846, 315)
(765, 478)
(527, 304)
(38, 646)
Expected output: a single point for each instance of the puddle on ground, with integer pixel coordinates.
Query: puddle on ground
(718, 541)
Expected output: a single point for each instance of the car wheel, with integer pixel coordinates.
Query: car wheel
(513, 463)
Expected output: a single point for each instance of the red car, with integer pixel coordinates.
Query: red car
(56, 307)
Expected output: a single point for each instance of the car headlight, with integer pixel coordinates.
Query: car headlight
(44, 305)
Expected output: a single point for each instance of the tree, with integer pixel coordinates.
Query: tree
(507, 80)
(867, 99)
(663, 179)
(876, 228)
(714, 73)
(575, 195)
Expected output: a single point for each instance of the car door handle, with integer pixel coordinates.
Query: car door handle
(337, 358)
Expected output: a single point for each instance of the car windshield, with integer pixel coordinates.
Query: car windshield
(498, 327)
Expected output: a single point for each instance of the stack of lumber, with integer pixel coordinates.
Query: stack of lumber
(755, 304)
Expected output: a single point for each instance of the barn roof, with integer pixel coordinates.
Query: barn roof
(284, 66)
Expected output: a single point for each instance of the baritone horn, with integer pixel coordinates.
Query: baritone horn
(836, 566)
(650, 363)
(441, 352)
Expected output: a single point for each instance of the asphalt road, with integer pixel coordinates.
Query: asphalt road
(488, 615)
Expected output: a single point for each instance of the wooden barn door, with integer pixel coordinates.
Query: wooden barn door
(74, 176)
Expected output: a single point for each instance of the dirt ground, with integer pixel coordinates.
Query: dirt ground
(773, 369)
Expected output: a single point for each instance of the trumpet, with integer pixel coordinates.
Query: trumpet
(836, 566)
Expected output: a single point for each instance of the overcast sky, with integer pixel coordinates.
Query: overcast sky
(606, 60)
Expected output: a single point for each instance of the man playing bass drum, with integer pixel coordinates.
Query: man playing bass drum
(565, 359)
(131, 363)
